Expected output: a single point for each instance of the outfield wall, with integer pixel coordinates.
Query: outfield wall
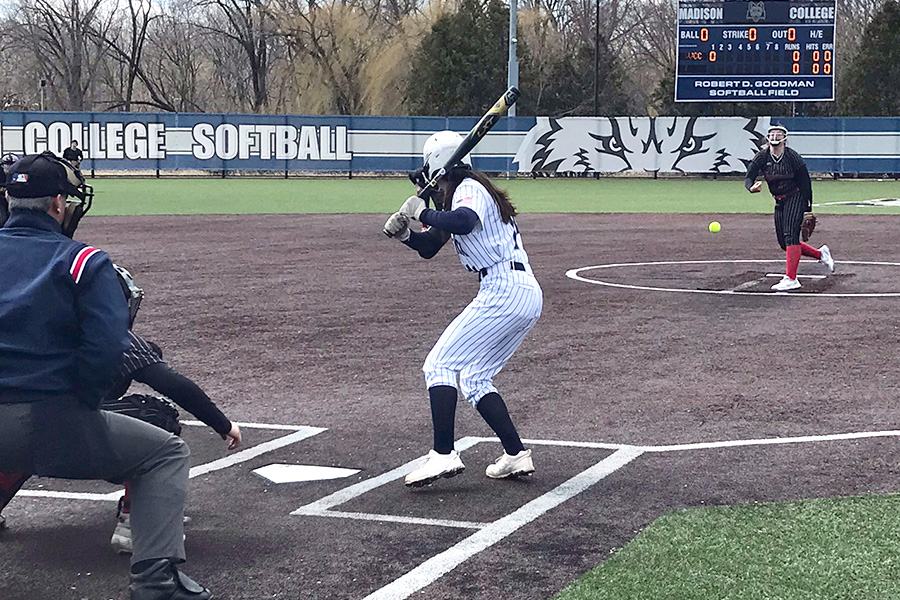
(220, 143)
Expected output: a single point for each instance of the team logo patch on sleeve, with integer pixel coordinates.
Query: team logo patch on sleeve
(80, 262)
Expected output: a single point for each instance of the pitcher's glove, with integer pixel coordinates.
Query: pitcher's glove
(808, 226)
(150, 409)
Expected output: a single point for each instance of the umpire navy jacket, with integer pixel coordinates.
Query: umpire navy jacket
(63, 316)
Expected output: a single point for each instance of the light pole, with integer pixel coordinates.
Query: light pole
(43, 85)
(512, 78)
(597, 59)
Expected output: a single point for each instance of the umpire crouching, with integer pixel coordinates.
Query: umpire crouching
(63, 332)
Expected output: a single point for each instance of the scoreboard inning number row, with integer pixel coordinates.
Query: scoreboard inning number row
(742, 51)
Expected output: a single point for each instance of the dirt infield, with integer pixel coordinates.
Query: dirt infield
(321, 321)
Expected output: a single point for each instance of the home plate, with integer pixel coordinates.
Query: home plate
(277, 473)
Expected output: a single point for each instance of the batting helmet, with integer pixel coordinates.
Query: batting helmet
(438, 150)
(133, 294)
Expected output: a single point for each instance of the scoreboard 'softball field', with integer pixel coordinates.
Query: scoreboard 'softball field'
(755, 51)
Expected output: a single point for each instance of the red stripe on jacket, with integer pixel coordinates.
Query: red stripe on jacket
(80, 261)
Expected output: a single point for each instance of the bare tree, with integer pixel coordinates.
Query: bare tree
(247, 25)
(650, 51)
(57, 34)
(126, 39)
(339, 40)
(175, 60)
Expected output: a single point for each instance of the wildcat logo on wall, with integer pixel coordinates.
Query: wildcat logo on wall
(641, 144)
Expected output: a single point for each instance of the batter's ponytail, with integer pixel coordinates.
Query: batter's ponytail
(501, 197)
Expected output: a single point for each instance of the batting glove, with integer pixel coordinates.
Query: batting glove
(397, 226)
(413, 207)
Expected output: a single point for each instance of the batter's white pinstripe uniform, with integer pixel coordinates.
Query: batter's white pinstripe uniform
(479, 342)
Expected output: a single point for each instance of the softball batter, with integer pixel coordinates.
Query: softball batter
(480, 220)
(788, 180)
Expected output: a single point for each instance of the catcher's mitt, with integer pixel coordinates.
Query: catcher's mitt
(150, 409)
(808, 226)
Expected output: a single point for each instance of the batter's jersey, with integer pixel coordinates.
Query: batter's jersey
(492, 241)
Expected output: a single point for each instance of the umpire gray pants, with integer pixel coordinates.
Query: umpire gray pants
(68, 440)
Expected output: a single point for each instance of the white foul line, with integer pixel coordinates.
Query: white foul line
(772, 441)
(301, 432)
(254, 451)
(441, 564)
(388, 518)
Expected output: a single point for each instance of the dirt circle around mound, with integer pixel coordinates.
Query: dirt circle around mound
(819, 283)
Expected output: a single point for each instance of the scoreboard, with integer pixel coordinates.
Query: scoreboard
(743, 51)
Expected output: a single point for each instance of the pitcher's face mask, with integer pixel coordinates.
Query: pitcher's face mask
(777, 135)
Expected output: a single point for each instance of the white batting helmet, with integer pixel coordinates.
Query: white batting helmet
(438, 150)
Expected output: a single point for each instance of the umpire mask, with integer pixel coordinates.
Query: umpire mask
(45, 174)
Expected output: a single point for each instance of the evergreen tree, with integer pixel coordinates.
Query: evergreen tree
(872, 84)
(460, 69)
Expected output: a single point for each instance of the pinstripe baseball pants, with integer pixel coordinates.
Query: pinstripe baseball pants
(789, 218)
(484, 336)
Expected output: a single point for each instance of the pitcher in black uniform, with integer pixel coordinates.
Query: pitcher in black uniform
(788, 180)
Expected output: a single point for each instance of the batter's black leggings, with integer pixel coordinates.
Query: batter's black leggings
(789, 218)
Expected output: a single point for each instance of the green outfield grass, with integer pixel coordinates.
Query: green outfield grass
(257, 196)
(828, 549)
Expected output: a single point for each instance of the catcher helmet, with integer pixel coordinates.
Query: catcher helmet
(772, 134)
(438, 150)
(133, 294)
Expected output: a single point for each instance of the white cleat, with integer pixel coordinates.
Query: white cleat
(786, 284)
(511, 466)
(435, 467)
(826, 258)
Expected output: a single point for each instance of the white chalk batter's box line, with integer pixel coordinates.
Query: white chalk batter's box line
(488, 534)
(325, 506)
(485, 534)
(298, 433)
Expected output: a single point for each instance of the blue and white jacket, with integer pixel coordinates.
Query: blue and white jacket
(63, 315)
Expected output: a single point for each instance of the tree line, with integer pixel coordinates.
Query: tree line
(393, 57)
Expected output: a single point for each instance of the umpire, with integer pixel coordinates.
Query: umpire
(63, 332)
